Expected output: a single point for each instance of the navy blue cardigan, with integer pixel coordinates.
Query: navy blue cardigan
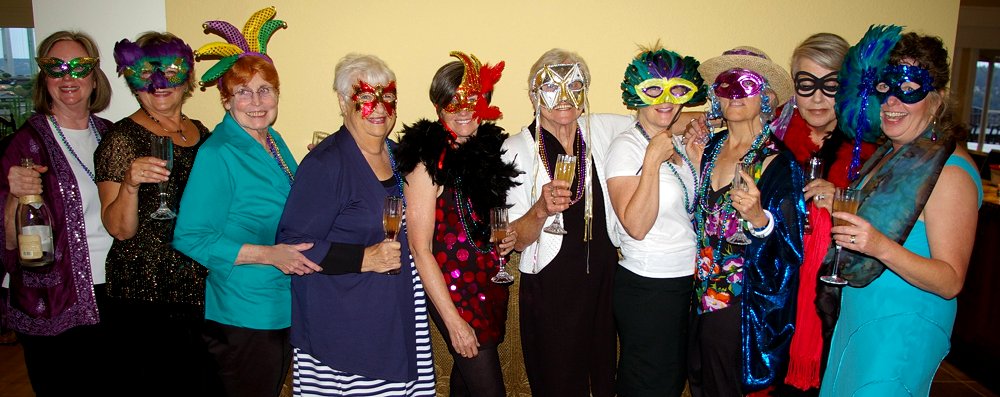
(360, 323)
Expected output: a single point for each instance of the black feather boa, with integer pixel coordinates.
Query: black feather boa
(485, 177)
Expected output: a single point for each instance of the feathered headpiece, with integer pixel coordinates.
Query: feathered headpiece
(155, 65)
(477, 80)
(857, 106)
(659, 67)
(251, 42)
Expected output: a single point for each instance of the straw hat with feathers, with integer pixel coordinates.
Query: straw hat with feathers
(754, 59)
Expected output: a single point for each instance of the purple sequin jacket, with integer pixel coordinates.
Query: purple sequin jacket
(53, 302)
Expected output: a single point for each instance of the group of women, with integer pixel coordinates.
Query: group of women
(271, 263)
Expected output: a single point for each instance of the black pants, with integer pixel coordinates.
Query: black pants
(716, 358)
(568, 329)
(75, 362)
(159, 350)
(251, 362)
(652, 316)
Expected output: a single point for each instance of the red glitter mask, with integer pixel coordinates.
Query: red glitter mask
(477, 80)
(366, 98)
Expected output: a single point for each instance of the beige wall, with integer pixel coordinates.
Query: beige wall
(414, 38)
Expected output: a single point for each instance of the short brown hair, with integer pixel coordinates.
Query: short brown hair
(243, 71)
(100, 97)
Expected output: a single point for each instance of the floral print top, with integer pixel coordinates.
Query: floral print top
(720, 264)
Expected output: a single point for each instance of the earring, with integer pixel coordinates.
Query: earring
(765, 103)
(715, 111)
(934, 136)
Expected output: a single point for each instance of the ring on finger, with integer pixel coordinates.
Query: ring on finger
(853, 239)
(142, 173)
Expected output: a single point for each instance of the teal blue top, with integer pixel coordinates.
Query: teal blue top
(891, 336)
(235, 196)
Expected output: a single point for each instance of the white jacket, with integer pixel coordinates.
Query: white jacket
(520, 149)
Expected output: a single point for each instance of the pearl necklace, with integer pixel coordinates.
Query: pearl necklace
(689, 203)
(93, 129)
(581, 148)
(180, 131)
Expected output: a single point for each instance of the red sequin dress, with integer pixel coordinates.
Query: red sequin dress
(467, 267)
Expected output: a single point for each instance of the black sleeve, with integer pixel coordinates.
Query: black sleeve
(342, 259)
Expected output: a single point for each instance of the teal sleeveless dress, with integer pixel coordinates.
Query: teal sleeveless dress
(891, 336)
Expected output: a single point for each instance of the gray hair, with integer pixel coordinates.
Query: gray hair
(557, 56)
(826, 49)
(353, 67)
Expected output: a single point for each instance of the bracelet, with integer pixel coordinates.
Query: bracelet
(764, 231)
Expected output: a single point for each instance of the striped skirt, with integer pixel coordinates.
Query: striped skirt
(311, 378)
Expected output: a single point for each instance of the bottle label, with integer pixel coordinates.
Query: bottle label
(44, 234)
(30, 246)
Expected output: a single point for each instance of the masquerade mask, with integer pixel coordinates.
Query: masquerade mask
(155, 66)
(558, 83)
(366, 98)
(76, 68)
(909, 84)
(477, 80)
(738, 83)
(677, 91)
(806, 84)
(662, 76)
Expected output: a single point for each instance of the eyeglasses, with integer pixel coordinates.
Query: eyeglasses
(265, 93)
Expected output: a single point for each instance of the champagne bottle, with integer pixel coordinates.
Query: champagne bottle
(34, 231)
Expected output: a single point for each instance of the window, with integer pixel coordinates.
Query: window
(985, 126)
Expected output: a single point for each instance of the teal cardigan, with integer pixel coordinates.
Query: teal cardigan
(235, 196)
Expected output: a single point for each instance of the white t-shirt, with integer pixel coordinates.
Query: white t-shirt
(98, 240)
(669, 249)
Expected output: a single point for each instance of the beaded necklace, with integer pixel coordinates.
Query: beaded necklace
(466, 216)
(180, 131)
(581, 148)
(93, 129)
(689, 203)
(276, 155)
(724, 205)
(395, 171)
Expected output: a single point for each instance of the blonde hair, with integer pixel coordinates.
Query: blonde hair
(826, 49)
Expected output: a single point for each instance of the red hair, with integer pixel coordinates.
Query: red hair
(243, 71)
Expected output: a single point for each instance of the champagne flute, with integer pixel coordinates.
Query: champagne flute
(739, 238)
(162, 147)
(392, 220)
(319, 136)
(844, 200)
(498, 229)
(565, 171)
(813, 171)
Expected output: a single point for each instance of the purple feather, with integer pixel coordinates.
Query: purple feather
(126, 53)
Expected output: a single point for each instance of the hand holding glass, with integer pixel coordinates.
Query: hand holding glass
(392, 220)
(813, 171)
(739, 238)
(845, 200)
(162, 147)
(498, 229)
(565, 170)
